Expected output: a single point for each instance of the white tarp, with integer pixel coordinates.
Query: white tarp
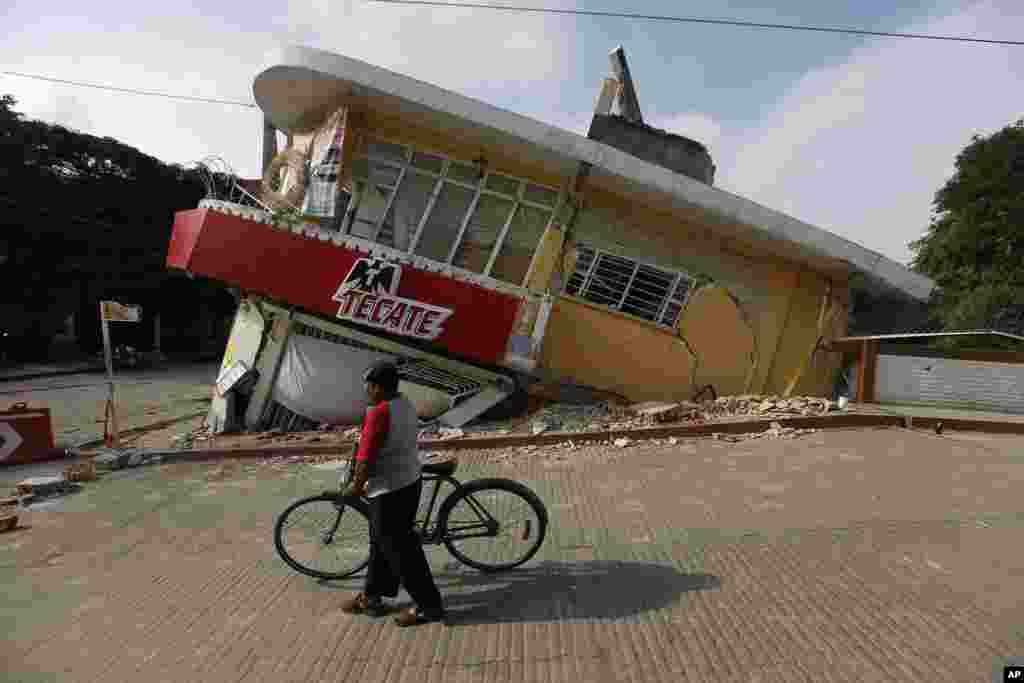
(323, 381)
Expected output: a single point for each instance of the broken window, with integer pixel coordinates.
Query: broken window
(620, 283)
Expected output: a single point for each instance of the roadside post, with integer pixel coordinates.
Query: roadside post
(111, 311)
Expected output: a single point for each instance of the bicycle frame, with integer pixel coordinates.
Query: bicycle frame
(487, 524)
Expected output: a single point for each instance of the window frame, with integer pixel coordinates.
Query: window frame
(588, 277)
(441, 178)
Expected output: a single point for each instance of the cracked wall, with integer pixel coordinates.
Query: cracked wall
(756, 325)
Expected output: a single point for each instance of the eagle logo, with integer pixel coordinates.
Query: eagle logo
(373, 276)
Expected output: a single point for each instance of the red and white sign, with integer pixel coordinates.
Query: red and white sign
(26, 435)
(10, 440)
(367, 296)
(460, 317)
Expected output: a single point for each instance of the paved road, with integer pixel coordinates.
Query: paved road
(875, 555)
(144, 397)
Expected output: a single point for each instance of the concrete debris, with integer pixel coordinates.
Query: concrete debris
(429, 431)
(331, 427)
(765, 406)
(547, 423)
(80, 471)
(623, 442)
(655, 412)
(189, 439)
(116, 459)
(445, 433)
(775, 431)
(566, 417)
(41, 486)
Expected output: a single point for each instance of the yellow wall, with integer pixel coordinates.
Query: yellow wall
(812, 314)
(722, 340)
(752, 332)
(612, 352)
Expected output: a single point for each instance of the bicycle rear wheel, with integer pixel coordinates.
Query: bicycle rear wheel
(324, 536)
(493, 524)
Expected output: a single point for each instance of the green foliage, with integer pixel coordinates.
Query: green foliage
(81, 217)
(974, 247)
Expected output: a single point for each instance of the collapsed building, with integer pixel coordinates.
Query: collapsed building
(488, 253)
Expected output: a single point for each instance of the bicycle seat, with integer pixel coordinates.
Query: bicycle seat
(444, 468)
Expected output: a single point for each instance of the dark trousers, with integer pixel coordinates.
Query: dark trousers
(396, 554)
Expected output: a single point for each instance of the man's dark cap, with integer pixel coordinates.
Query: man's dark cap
(383, 373)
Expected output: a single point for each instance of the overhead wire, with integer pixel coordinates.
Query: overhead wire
(131, 91)
(535, 10)
(695, 20)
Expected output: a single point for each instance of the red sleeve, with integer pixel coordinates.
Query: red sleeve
(375, 432)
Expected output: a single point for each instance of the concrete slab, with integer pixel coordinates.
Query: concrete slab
(854, 555)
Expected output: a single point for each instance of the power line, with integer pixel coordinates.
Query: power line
(694, 20)
(131, 91)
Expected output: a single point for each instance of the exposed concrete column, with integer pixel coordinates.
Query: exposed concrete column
(268, 364)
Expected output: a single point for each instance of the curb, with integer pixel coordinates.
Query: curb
(87, 370)
(488, 443)
(964, 425)
(136, 430)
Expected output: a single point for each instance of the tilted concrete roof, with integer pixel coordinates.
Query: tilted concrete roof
(299, 85)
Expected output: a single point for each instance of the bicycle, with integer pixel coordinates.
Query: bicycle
(465, 525)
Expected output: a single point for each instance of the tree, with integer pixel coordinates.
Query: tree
(974, 247)
(82, 217)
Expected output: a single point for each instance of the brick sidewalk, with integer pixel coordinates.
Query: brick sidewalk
(881, 555)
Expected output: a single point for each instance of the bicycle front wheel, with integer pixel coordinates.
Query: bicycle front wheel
(324, 536)
(493, 524)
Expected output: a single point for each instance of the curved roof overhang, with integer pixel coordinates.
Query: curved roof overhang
(299, 87)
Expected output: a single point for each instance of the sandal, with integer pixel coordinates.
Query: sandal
(362, 603)
(413, 616)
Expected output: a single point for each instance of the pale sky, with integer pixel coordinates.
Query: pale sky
(851, 134)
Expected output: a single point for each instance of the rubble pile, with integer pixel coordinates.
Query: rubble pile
(347, 433)
(188, 440)
(765, 406)
(612, 417)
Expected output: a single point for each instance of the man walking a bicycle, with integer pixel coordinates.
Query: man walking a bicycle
(388, 473)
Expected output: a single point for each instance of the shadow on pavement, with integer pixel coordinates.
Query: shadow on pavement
(566, 590)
